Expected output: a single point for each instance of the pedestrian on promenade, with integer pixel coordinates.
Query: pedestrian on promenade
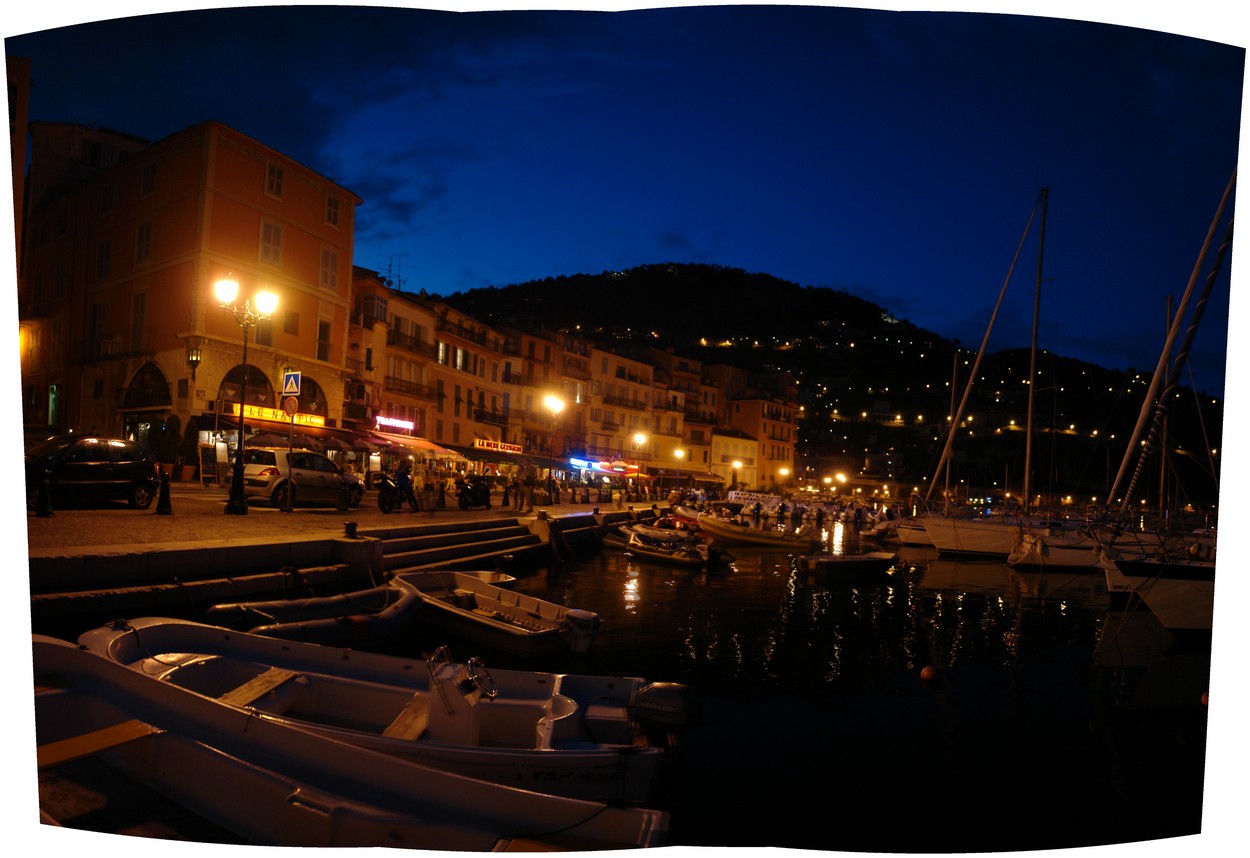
(527, 481)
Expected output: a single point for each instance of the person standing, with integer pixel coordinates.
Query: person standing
(527, 484)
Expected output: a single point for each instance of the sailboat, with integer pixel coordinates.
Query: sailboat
(1171, 573)
(994, 535)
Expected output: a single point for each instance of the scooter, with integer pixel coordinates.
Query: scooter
(475, 491)
(391, 494)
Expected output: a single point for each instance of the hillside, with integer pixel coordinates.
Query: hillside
(852, 356)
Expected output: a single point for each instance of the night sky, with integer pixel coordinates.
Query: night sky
(893, 154)
(896, 155)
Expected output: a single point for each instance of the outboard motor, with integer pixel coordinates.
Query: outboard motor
(663, 706)
(582, 627)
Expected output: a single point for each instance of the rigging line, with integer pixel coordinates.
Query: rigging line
(950, 437)
(1173, 380)
(1160, 374)
(1037, 303)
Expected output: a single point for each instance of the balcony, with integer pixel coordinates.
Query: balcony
(117, 346)
(481, 415)
(411, 388)
(410, 343)
(356, 411)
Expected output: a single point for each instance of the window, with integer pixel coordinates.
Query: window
(147, 183)
(143, 241)
(290, 324)
(264, 332)
(323, 340)
(332, 211)
(60, 278)
(106, 199)
(271, 243)
(273, 181)
(103, 259)
(329, 269)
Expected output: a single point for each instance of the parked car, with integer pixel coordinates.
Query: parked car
(82, 469)
(270, 472)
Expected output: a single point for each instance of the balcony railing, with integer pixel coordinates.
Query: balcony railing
(116, 346)
(411, 343)
(482, 415)
(411, 388)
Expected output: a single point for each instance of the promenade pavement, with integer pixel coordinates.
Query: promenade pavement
(197, 515)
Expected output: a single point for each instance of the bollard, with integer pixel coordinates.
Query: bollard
(43, 502)
(163, 506)
(343, 505)
(349, 529)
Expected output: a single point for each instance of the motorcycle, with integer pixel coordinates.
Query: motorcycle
(473, 492)
(392, 493)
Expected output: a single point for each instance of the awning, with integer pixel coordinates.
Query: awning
(421, 445)
(496, 457)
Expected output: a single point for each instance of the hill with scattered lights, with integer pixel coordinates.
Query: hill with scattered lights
(876, 390)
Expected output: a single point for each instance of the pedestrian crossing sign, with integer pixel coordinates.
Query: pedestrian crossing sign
(290, 384)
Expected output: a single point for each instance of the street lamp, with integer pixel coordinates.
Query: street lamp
(737, 467)
(555, 405)
(639, 440)
(247, 315)
(678, 454)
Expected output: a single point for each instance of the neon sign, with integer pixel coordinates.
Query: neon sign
(261, 413)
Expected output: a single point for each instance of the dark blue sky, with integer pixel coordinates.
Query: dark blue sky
(894, 154)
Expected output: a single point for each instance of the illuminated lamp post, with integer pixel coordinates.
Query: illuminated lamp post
(678, 454)
(247, 315)
(737, 468)
(639, 440)
(555, 405)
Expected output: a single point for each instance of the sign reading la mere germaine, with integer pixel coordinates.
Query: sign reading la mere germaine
(497, 446)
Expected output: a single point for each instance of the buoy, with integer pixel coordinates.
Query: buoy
(928, 672)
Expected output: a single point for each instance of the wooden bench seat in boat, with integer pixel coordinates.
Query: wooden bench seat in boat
(85, 744)
(89, 744)
(258, 686)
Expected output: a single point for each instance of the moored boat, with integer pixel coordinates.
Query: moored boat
(497, 618)
(695, 554)
(273, 784)
(723, 530)
(598, 738)
(377, 615)
(844, 568)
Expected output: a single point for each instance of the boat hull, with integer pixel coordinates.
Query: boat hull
(572, 735)
(272, 784)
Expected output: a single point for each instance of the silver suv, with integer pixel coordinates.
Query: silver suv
(312, 478)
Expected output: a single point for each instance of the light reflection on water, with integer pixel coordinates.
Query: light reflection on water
(791, 679)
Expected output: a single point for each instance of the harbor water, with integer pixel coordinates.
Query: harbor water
(1050, 721)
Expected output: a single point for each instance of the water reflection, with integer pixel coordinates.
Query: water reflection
(1033, 669)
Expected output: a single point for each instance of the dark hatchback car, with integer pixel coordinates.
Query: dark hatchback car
(82, 469)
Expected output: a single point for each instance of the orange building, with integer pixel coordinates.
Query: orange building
(117, 285)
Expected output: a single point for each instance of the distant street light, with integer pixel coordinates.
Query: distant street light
(639, 440)
(737, 467)
(678, 454)
(247, 315)
(555, 405)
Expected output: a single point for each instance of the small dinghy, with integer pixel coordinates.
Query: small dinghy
(376, 616)
(601, 738)
(493, 617)
(274, 784)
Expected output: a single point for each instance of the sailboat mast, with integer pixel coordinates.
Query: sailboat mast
(1037, 303)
